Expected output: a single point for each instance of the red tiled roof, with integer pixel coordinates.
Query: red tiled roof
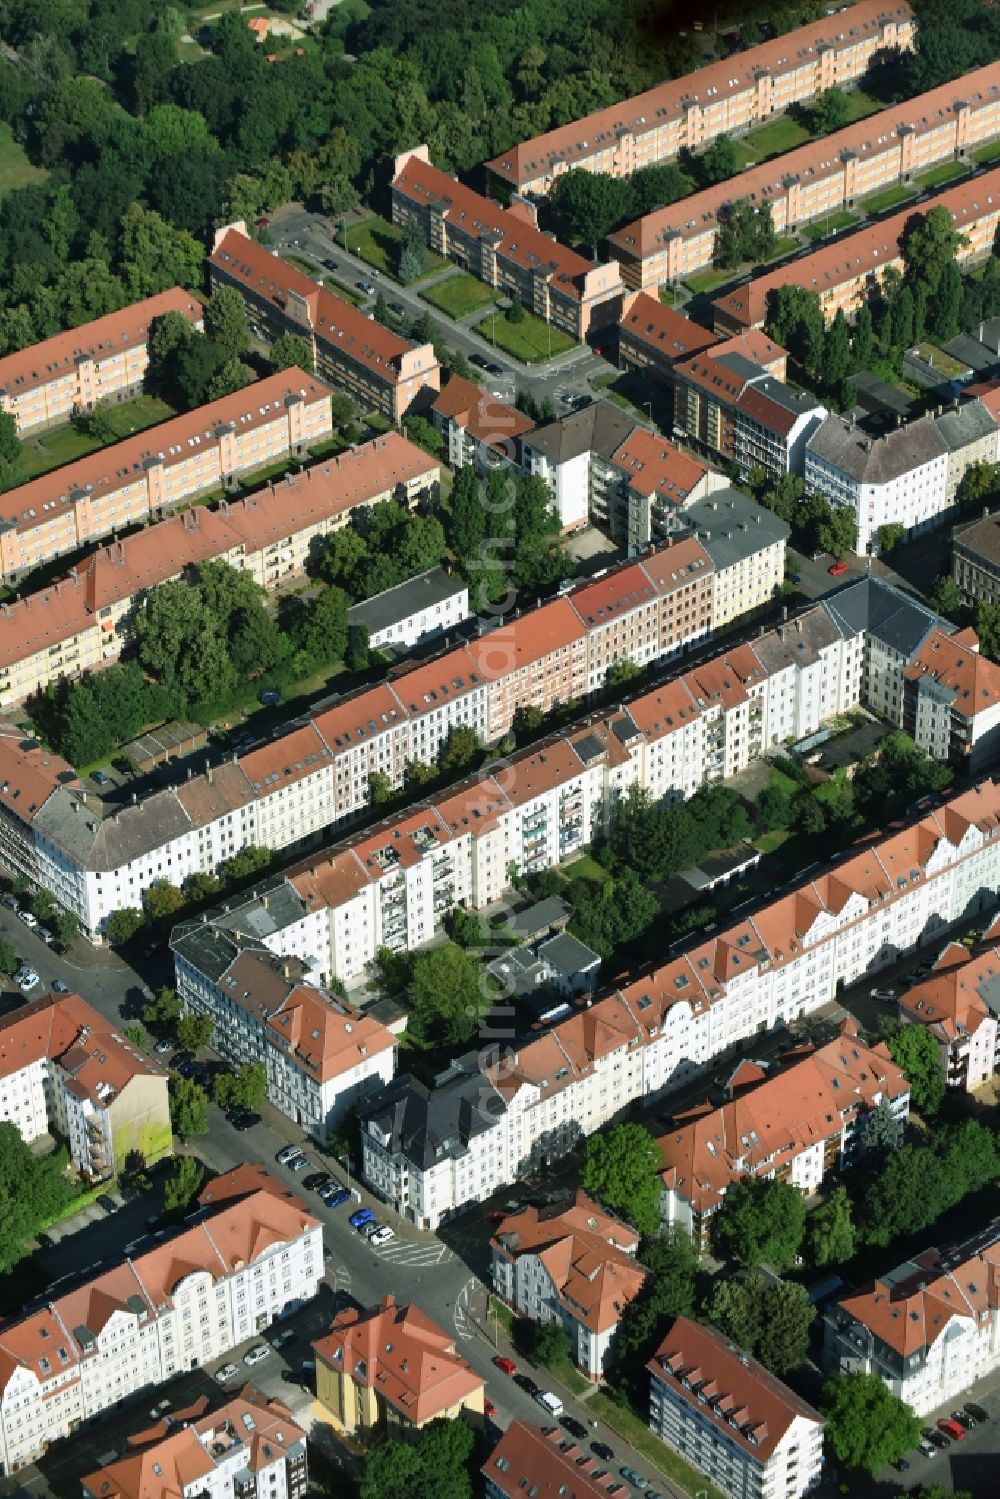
(655, 466)
(668, 333)
(484, 416)
(548, 1464)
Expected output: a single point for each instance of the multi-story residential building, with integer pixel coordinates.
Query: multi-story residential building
(654, 338)
(505, 248)
(728, 96)
(951, 701)
(431, 1154)
(548, 1462)
(478, 427)
(255, 1254)
(959, 1004)
(645, 483)
(825, 176)
(390, 1371)
(424, 607)
(908, 476)
(975, 559)
(573, 455)
(382, 371)
(732, 401)
(321, 1058)
(204, 450)
(846, 273)
(65, 1070)
(747, 546)
(249, 1448)
(796, 1121)
(928, 1329)
(82, 621)
(572, 1264)
(105, 360)
(730, 1418)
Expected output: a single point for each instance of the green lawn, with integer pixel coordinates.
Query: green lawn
(862, 104)
(15, 168)
(530, 340)
(637, 1433)
(987, 153)
(890, 197)
(587, 868)
(459, 295)
(708, 280)
(746, 154)
(943, 173)
(343, 291)
(377, 241)
(776, 137)
(951, 368)
(62, 445)
(784, 246)
(820, 228)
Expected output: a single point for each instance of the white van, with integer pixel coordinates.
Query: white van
(550, 1403)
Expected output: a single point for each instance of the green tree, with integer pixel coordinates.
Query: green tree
(183, 1184)
(621, 1168)
(67, 927)
(466, 519)
(251, 860)
(324, 632)
(245, 1089)
(795, 321)
(226, 321)
(380, 788)
(672, 1262)
(43, 905)
(720, 161)
(231, 376)
(867, 1425)
(411, 264)
(459, 749)
(946, 596)
(138, 1035)
(621, 673)
(916, 1052)
(188, 1108)
(33, 1191)
(162, 900)
(884, 1130)
(908, 1193)
(863, 338)
(290, 351)
(979, 485)
(587, 206)
(515, 312)
(830, 111)
(889, 536)
(835, 363)
(988, 627)
(122, 925)
(10, 961)
(761, 1220)
(154, 255)
(929, 244)
(944, 306)
(784, 1335)
(194, 1031)
(548, 1344)
(11, 472)
(837, 533)
(830, 1230)
(163, 1009)
(774, 806)
(446, 995)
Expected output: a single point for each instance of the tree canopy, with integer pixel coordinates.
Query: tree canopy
(761, 1220)
(621, 1169)
(867, 1425)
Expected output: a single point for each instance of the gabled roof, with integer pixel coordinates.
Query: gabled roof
(668, 333)
(480, 413)
(968, 681)
(548, 1464)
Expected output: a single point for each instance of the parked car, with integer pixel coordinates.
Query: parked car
(489, 1409)
(334, 1196)
(270, 697)
(397, 309)
(367, 288)
(937, 1437)
(256, 1355)
(283, 1339)
(285, 1154)
(60, 986)
(361, 1217)
(30, 921)
(11, 902)
(927, 1448)
(49, 938)
(479, 361)
(315, 1180)
(26, 979)
(977, 1411)
(603, 1451)
(964, 1419)
(573, 1426)
(886, 994)
(505, 1365)
(382, 1235)
(244, 1119)
(101, 778)
(952, 1429)
(527, 1384)
(163, 1046)
(836, 569)
(298, 1163)
(227, 1372)
(901, 1465)
(635, 1479)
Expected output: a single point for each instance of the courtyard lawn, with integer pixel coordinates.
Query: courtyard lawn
(783, 247)
(776, 137)
(830, 224)
(15, 168)
(586, 868)
(943, 173)
(708, 280)
(862, 104)
(459, 295)
(62, 445)
(377, 241)
(987, 153)
(531, 340)
(890, 197)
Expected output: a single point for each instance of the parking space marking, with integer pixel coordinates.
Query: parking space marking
(462, 1318)
(401, 1252)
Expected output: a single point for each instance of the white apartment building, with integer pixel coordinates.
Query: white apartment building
(426, 606)
(321, 1057)
(254, 1254)
(748, 1433)
(65, 1070)
(928, 1329)
(478, 427)
(249, 1448)
(959, 1005)
(532, 1104)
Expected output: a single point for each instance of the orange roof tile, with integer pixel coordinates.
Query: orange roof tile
(666, 332)
(655, 467)
(548, 1464)
(480, 413)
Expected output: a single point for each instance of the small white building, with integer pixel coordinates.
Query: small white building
(420, 609)
(901, 477)
(748, 1433)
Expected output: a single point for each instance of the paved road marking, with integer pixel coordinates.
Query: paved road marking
(402, 1252)
(463, 1321)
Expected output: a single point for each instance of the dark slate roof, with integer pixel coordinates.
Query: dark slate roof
(900, 622)
(426, 1126)
(876, 460)
(732, 527)
(395, 604)
(966, 423)
(205, 946)
(540, 917)
(598, 428)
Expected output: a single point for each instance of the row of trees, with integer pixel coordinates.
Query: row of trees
(164, 901)
(658, 840)
(816, 524)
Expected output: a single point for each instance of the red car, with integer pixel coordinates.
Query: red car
(837, 568)
(953, 1430)
(507, 1365)
(489, 1409)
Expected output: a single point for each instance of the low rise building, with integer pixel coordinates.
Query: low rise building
(825, 176)
(380, 370)
(391, 1371)
(424, 607)
(321, 1058)
(654, 338)
(505, 248)
(254, 1254)
(549, 1462)
(206, 449)
(731, 1419)
(47, 383)
(478, 427)
(959, 1005)
(571, 1264)
(795, 1121)
(83, 621)
(729, 95)
(251, 1446)
(64, 1070)
(928, 1329)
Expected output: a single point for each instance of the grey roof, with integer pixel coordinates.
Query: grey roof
(598, 428)
(876, 394)
(566, 955)
(731, 527)
(796, 643)
(539, 917)
(971, 352)
(427, 1126)
(206, 947)
(786, 396)
(519, 970)
(742, 367)
(107, 842)
(395, 604)
(900, 622)
(981, 536)
(876, 460)
(261, 912)
(965, 423)
(589, 747)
